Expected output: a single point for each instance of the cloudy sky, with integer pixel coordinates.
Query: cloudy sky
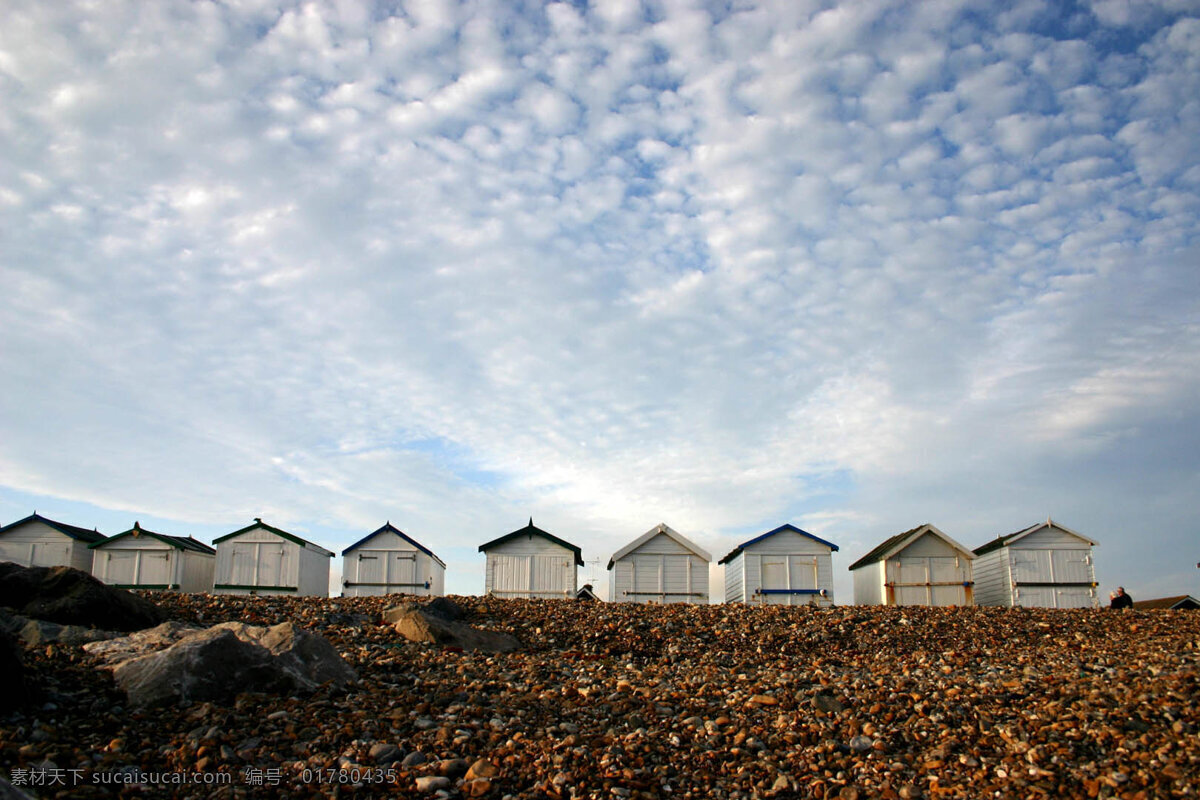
(722, 265)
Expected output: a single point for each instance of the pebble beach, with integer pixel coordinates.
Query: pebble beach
(628, 701)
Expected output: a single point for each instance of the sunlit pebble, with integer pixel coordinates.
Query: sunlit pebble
(616, 700)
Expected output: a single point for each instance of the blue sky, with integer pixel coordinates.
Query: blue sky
(721, 265)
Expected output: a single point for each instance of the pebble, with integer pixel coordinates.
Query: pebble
(431, 783)
(384, 753)
(861, 744)
(730, 702)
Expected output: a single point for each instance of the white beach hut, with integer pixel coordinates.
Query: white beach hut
(1043, 566)
(260, 559)
(36, 541)
(390, 561)
(785, 566)
(530, 562)
(660, 566)
(142, 559)
(920, 567)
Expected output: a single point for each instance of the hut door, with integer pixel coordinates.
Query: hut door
(647, 579)
(1071, 566)
(550, 576)
(774, 576)
(243, 557)
(510, 575)
(912, 575)
(402, 572)
(369, 571)
(155, 568)
(1035, 597)
(677, 576)
(943, 570)
(120, 566)
(272, 565)
(1031, 566)
(44, 554)
(802, 575)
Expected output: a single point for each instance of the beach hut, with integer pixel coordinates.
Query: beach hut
(920, 567)
(142, 559)
(1043, 566)
(1182, 602)
(786, 566)
(530, 562)
(40, 542)
(660, 566)
(260, 559)
(390, 561)
(587, 593)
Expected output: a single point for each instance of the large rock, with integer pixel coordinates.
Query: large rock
(419, 625)
(217, 663)
(17, 691)
(71, 597)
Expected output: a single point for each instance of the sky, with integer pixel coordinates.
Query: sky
(725, 265)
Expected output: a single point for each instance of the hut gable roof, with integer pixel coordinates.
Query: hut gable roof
(666, 530)
(1010, 538)
(1179, 601)
(72, 531)
(533, 530)
(291, 537)
(389, 528)
(785, 527)
(178, 542)
(894, 544)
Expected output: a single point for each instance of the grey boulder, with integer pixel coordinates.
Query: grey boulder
(217, 663)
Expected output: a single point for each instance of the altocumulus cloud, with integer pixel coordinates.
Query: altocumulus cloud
(853, 266)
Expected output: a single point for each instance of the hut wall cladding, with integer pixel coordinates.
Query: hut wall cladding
(198, 571)
(735, 580)
(661, 570)
(314, 572)
(791, 561)
(530, 566)
(868, 584)
(993, 582)
(36, 544)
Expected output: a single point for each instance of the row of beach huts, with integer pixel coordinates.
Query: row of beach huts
(1045, 565)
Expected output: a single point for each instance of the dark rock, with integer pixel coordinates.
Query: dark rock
(72, 597)
(445, 608)
(441, 608)
(10, 792)
(17, 690)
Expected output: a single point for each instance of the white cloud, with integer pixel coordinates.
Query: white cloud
(609, 266)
